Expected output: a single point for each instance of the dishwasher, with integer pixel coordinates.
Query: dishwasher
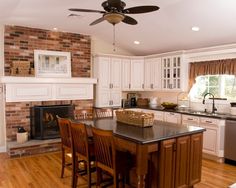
(230, 141)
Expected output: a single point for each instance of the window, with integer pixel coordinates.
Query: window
(221, 86)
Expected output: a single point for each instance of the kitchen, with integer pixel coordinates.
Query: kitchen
(133, 65)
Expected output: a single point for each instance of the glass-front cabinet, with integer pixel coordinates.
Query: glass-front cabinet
(171, 72)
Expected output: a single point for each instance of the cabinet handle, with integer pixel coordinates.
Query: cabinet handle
(142, 85)
(172, 113)
(111, 86)
(129, 86)
(208, 121)
(111, 102)
(152, 86)
(190, 119)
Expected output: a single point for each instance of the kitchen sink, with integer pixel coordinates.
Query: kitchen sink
(207, 113)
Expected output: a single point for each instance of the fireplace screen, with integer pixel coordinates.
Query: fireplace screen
(44, 122)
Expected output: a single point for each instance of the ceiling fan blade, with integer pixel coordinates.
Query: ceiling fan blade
(140, 9)
(97, 21)
(129, 20)
(86, 10)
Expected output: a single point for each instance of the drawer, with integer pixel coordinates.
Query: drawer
(209, 121)
(190, 118)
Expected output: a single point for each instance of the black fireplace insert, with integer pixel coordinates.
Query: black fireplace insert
(44, 122)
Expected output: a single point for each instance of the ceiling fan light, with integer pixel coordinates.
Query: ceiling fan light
(114, 18)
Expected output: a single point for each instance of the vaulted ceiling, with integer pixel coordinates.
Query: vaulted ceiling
(167, 29)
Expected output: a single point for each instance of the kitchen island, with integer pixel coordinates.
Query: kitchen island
(166, 154)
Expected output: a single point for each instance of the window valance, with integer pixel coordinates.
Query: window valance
(214, 67)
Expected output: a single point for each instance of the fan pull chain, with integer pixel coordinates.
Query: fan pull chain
(114, 38)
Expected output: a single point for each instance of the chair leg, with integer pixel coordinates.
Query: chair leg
(89, 173)
(74, 172)
(62, 161)
(99, 176)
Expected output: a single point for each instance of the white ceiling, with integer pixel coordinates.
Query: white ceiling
(167, 29)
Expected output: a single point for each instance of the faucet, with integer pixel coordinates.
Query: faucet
(214, 109)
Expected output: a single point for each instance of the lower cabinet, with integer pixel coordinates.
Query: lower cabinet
(172, 117)
(178, 162)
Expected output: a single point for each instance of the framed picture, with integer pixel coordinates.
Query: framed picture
(52, 63)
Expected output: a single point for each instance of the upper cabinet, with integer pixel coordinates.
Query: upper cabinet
(174, 72)
(137, 74)
(152, 74)
(133, 74)
(108, 90)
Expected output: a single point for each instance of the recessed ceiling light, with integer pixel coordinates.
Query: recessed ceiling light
(136, 42)
(195, 28)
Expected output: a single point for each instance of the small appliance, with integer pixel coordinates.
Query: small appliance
(132, 97)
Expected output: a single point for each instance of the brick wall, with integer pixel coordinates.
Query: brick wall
(18, 113)
(20, 43)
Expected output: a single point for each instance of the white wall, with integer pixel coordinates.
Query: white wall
(100, 46)
(2, 109)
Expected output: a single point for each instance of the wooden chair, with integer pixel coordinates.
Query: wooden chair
(65, 141)
(81, 114)
(108, 159)
(82, 149)
(103, 112)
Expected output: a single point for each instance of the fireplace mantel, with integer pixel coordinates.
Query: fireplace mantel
(35, 80)
(19, 89)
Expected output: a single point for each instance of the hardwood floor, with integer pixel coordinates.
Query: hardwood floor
(44, 171)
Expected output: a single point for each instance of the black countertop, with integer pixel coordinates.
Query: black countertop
(191, 112)
(158, 132)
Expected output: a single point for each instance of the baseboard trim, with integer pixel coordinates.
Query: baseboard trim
(3, 149)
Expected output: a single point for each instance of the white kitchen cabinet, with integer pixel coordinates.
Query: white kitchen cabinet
(213, 137)
(174, 73)
(137, 74)
(126, 74)
(190, 120)
(108, 72)
(172, 117)
(152, 74)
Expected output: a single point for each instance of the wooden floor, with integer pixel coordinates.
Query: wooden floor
(44, 171)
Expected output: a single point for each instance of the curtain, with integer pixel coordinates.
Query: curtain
(223, 66)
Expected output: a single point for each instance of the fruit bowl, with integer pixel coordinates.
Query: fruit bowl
(168, 105)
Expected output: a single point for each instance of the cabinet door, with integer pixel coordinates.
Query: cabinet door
(103, 72)
(115, 74)
(176, 62)
(137, 74)
(172, 117)
(182, 162)
(152, 74)
(210, 139)
(167, 164)
(115, 97)
(195, 166)
(126, 74)
(103, 98)
(156, 68)
(171, 72)
(166, 73)
(148, 74)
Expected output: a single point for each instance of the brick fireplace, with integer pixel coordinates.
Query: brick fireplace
(21, 92)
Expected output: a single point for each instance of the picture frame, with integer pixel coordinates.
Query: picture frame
(52, 63)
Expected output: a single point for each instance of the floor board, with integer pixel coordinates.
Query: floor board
(44, 171)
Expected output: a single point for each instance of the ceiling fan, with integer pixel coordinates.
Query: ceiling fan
(115, 12)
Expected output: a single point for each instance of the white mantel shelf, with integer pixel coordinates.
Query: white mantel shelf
(20, 89)
(35, 80)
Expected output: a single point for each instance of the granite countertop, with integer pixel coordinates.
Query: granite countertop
(192, 112)
(158, 132)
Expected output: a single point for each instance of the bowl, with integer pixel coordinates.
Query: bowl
(169, 105)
